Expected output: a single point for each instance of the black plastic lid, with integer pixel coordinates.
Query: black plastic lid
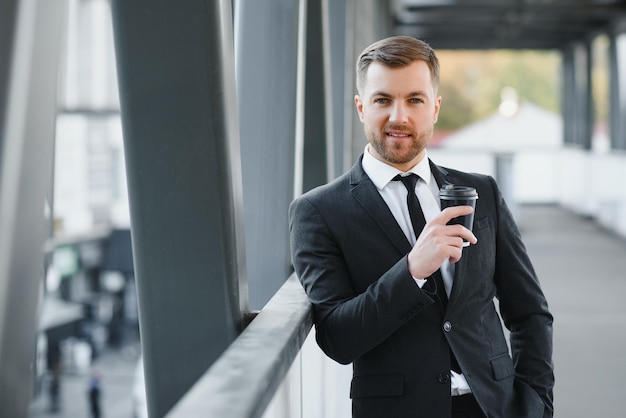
(451, 190)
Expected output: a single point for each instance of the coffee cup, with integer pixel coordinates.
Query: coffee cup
(452, 195)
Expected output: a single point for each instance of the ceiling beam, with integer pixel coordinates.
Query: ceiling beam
(477, 24)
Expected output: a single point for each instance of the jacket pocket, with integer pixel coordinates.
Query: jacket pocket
(377, 385)
(480, 223)
(502, 367)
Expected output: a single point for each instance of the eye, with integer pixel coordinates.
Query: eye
(381, 100)
(416, 100)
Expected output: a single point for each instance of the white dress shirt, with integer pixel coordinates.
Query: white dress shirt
(394, 193)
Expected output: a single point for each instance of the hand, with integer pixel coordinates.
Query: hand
(439, 242)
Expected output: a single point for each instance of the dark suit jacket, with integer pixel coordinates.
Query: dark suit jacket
(351, 257)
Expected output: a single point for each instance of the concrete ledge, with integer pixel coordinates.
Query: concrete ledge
(242, 382)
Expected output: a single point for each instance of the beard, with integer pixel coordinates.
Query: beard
(399, 153)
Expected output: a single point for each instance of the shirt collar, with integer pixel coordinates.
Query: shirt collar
(382, 173)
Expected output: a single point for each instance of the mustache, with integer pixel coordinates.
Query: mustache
(397, 127)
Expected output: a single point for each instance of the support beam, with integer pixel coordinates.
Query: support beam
(178, 102)
(577, 102)
(315, 151)
(617, 60)
(28, 83)
(266, 48)
(8, 10)
(340, 63)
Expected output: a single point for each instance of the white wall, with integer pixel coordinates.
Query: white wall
(594, 186)
(587, 183)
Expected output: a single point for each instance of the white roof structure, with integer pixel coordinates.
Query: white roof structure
(530, 128)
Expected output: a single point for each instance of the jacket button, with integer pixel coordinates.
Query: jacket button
(447, 326)
(444, 378)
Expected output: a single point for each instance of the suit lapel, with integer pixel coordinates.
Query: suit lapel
(366, 194)
(442, 177)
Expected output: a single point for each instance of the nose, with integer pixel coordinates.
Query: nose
(399, 113)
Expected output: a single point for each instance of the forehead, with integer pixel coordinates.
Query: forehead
(413, 77)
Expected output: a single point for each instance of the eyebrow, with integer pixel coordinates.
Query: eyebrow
(412, 94)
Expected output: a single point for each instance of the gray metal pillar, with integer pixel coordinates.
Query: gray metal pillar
(577, 101)
(504, 162)
(617, 90)
(266, 48)
(316, 127)
(339, 64)
(585, 97)
(8, 10)
(567, 87)
(177, 95)
(29, 61)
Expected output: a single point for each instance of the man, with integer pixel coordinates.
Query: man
(416, 350)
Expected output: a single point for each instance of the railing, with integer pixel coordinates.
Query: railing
(242, 382)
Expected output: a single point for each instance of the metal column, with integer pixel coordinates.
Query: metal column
(8, 10)
(29, 59)
(316, 150)
(178, 103)
(266, 47)
(617, 90)
(577, 102)
(340, 62)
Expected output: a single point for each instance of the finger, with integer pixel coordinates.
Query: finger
(461, 231)
(455, 254)
(454, 249)
(452, 212)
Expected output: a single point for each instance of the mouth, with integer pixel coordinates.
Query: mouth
(398, 135)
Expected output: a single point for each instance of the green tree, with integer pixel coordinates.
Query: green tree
(471, 82)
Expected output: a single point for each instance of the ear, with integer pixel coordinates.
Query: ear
(437, 107)
(359, 106)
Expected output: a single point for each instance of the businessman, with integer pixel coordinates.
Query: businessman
(394, 290)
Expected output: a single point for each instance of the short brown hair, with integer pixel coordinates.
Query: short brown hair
(397, 52)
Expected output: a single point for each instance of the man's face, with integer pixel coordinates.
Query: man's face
(398, 109)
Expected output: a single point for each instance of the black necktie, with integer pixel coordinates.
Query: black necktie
(418, 221)
(415, 210)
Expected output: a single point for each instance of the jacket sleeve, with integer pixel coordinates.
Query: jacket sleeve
(348, 323)
(523, 307)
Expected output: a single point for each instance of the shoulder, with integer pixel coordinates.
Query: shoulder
(485, 184)
(334, 198)
(322, 196)
(451, 175)
(331, 190)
